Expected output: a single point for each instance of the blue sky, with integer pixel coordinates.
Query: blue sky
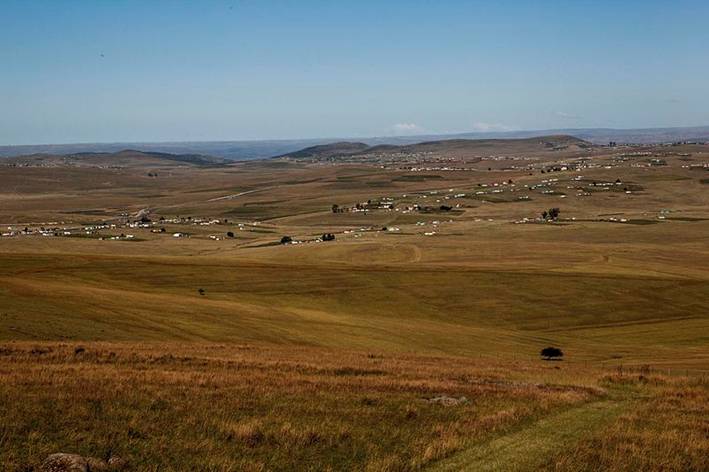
(107, 71)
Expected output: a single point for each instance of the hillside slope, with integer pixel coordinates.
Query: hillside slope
(329, 150)
(125, 158)
(452, 147)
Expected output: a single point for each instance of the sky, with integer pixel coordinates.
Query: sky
(113, 71)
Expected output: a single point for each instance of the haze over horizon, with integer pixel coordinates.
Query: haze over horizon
(134, 71)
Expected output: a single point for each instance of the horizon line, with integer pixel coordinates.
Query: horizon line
(394, 136)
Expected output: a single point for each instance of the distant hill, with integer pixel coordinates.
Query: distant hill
(538, 143)
(605, 135)
(245, 150)
(329, 150)
(231, 150)
(127, 157)
(451, 147)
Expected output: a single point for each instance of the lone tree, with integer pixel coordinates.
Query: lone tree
(230, 234)
(549, 353)
(551, 214)
(286, 240)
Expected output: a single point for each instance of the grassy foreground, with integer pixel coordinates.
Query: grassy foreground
(261, 407)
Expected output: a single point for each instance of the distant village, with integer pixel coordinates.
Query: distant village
(561, 180)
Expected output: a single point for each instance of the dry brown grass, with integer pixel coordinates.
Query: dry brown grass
(218, 407)
(262, 407)
(668, 430)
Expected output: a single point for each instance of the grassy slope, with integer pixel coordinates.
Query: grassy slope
(247, 407)
(187, 406)
(428, 309)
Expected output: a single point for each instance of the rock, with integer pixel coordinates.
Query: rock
(445, 400)
(117, 463)
(63, 462)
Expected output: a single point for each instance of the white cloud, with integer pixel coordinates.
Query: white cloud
(407, 128)
(568, 116)
(487, 127)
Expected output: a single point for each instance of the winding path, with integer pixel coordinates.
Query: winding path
(531, 447)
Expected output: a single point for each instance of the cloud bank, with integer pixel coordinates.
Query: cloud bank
(407, 128)
(487, 127)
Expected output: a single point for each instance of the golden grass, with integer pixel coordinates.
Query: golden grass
(265, 407)
(247, 407)
(427, 308)
(667, 431)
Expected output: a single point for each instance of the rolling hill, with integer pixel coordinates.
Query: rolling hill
(260, 149)
(125, 158)
(450, 147)
(342, 148)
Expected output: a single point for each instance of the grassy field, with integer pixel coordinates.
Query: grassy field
(216, 352)
(352, 298)
(256, 407)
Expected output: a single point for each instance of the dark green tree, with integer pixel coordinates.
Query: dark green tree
(549, 353)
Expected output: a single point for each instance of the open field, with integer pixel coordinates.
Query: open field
(210, 351)
(248, 407)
